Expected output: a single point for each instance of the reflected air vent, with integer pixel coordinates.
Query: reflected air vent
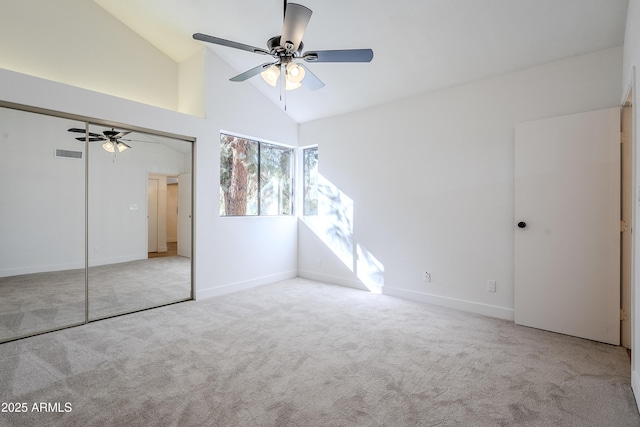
(68, 154)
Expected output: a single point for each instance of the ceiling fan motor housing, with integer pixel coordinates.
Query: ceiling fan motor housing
(276, 49)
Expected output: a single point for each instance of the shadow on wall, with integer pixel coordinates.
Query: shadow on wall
(334, 227)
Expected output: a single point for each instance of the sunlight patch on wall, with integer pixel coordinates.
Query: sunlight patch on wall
(334, 222)
(334, 226)
(369, 270)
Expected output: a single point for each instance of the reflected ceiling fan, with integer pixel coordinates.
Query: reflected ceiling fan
(112, 139)
(286, 48)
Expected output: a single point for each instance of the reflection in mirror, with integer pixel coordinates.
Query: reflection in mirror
(42, 224)
(139, 221)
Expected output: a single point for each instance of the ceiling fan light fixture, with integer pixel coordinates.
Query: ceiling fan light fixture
(109, 147)
(292, 85)
(295, 73)
(121, 146)
(271, 74)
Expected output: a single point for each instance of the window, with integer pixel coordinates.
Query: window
(255, 177)
(310, 180)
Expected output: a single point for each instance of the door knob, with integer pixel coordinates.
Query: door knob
(522, 224)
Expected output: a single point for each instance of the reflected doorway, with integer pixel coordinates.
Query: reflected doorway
(163, 214)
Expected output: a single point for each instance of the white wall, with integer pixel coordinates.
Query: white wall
(117, 233)
(191, 85)
(242, 251)
(43, 232)
(631, 63)
(431, 179)
(86, 47)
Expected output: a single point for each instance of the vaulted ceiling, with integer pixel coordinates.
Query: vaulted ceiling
(419, 45)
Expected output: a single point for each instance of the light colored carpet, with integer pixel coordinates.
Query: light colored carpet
(125, 287)
(302, 353)
(31, 303)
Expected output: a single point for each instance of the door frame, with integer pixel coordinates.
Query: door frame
(627, 216)
(149, 213)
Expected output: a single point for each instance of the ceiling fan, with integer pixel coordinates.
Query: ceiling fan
(286, 48)
(112, 139)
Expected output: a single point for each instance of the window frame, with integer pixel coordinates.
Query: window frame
(292, 176)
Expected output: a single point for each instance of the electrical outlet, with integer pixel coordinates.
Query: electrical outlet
(427, 276)
(491, 285)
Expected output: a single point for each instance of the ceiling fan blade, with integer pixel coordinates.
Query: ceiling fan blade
(311, 81)
(252, 72)
(229, 43)
(121, 134)
(347, 55)
(138, 140)
(92, 139)
(296, 19)
(95, 135)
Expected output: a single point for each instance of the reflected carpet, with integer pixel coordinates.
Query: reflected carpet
(30, 303)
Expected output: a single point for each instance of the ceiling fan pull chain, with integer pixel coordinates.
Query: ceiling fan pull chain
(284, 84)
(281, 82)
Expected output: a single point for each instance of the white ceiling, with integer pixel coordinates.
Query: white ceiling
(419, 45)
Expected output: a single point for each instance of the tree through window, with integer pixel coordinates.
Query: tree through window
(256, 178)
(310, 178)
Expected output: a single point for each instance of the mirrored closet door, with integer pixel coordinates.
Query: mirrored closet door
(42, 224)
(95, 220)
(139, 216)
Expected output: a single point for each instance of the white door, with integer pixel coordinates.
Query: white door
(152, 215)
(567, 257)
(184, 215)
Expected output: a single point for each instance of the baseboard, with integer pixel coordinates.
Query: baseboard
(70, 266)
(334, 280)
(116, 260)
(241, 286)
(41, 269)
(458, 304)
(635, 386)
